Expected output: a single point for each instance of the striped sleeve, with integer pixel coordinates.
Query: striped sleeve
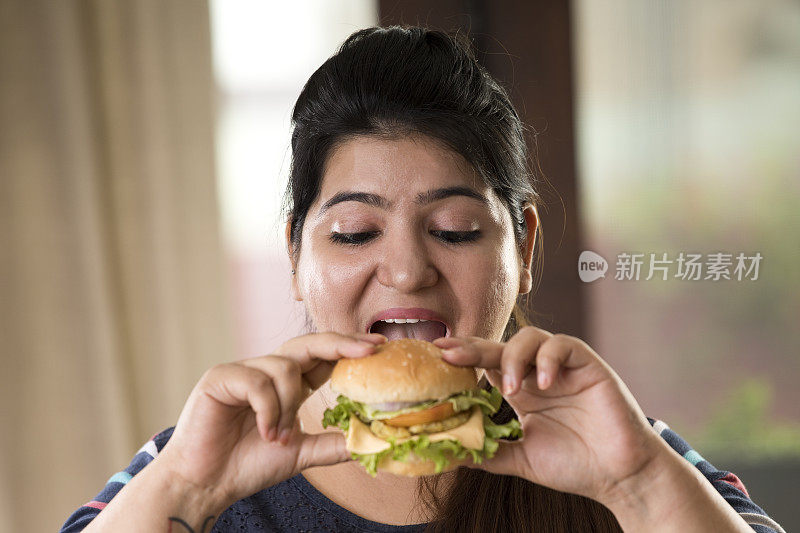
(727, 484)
(86, 513)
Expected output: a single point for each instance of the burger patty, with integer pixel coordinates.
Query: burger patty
(385, 431)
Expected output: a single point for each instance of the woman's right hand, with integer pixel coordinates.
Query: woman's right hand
(238, 432)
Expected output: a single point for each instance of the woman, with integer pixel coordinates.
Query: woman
(409, 190)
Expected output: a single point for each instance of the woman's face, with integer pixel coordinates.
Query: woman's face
(381, 234)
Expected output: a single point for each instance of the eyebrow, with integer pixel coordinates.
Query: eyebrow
(423, 198)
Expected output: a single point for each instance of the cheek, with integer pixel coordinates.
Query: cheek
(498, 281)
(330, 283)
(492, 288)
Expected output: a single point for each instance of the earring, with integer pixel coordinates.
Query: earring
(292, 272)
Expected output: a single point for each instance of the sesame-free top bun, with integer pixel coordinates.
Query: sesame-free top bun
(403, 370)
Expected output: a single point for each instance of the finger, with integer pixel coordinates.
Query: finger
(237, 385)
(519, 356)
(309, 349)
(289, 388)
(374, 338)
(559, 350)
(319, 375)
(514, 358)
(495, 378)
(471, 351)
(322, 449)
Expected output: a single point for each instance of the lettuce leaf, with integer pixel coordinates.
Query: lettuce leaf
(340, 415)
(439, 452)
(489, 401)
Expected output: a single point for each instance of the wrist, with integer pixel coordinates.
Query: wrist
(209, 498)
(189, 501)
(669, 494)
(658, 457)
(155, 499)
(651, 494)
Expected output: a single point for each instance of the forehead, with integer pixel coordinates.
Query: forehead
(396, 167)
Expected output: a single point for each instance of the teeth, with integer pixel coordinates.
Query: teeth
(403, 320)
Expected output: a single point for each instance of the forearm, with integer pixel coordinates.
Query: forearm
(154, 500)
(672, 495)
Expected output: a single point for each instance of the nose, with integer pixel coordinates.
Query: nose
(405, 264)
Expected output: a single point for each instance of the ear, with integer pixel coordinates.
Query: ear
(532, 223)
(290, 250)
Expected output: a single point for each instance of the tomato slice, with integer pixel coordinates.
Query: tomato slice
(426, 416)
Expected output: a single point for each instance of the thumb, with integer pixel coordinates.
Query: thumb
(509, 460)
(322, 449)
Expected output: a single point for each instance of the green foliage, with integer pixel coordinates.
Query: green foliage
(741, 427)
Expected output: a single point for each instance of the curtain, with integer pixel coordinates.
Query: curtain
(113, 296)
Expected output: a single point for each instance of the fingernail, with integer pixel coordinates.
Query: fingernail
(372, 338)
(368, 347)
(284, 438)
(508, 384)
(271, 434)
(542, 380)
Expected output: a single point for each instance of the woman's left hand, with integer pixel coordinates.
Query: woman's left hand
(584, 433)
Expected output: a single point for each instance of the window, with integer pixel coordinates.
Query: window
(688, 142)
(263, 54)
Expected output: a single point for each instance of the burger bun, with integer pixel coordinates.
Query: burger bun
(403, 370)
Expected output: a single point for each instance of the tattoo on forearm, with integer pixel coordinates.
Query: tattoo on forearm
(209, 521)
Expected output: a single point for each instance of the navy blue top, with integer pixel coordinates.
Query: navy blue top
(295, 505)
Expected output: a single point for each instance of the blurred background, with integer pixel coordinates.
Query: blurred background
(144, 149)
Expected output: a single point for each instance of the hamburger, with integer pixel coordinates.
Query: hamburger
(406, 411)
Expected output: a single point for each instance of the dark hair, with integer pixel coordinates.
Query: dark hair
(398, 81)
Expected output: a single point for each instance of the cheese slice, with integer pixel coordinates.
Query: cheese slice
(363, 441)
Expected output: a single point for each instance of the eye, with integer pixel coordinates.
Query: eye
(457, 237)
(352, 239)
(449, 237)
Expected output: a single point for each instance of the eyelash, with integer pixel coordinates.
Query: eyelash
(449, 237)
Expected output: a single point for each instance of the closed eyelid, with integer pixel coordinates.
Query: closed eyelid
(360, 238)
(456, 225)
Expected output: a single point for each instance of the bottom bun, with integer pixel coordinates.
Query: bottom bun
(417, 466)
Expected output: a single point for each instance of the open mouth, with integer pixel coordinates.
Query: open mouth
(400, 328)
